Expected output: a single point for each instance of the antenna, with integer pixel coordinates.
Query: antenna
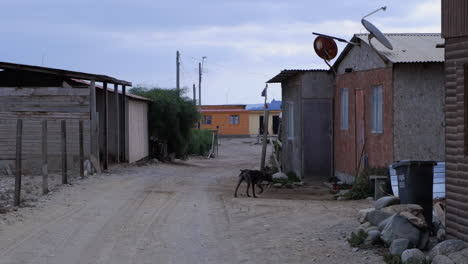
(384, 8)
(326, 48)
(339, 39)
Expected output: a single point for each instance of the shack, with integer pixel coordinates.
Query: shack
(455, 32)
(389, 103)
(256, 118)
(100, 123)
(229, 120)
(307, 127)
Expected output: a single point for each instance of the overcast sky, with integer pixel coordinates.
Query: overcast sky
(246, 42)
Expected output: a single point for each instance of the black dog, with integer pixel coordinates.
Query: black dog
(253, 177)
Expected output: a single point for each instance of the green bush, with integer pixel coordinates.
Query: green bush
(200, 142)
(171, 117)
(358, 238)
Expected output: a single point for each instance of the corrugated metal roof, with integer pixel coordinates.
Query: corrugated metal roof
(409, 47)
(286, 74)
(273, 106)
(110, 89)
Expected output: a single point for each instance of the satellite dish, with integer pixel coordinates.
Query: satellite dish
(376, 33)
(325, 48)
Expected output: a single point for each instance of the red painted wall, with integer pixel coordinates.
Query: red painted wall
(379, 147)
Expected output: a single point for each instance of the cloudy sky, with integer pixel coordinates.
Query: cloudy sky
(246, 42)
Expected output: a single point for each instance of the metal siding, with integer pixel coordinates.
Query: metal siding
(456, 162)
(137, 130)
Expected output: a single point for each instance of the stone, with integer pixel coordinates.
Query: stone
(399, 227)
(441, 234)
(384, 223)
(424, 239)
(370, 198)
(289, 185)
(279, 176)
(441, 259)
(416, 221)
(398, 246)
(414, 209)
(386, 201)
(363, 226)
(414, 255)
(373, 237)
(88, 167)
(446, 247)
(377, 216)
(298, 184)
(278, 185)
(363, 214)
(343, 192)
(371, 228)
(459, 257)
(439, 212)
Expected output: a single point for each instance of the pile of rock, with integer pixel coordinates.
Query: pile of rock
(282, 180)
(403, 228)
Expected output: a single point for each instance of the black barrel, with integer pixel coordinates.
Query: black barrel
(415, 184)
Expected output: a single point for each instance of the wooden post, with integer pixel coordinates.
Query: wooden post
(45, 169)
(124, 158)
(64, 152)
(19, 135)
(117, 123)
(106, 128)
(80, 128)
(94, 136)
(265, 139)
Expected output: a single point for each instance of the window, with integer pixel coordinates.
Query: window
(290, 121)
(234, 120)
(207, 120)
(376, 113)
(344, 108)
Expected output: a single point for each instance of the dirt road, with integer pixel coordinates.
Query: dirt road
(182, 213)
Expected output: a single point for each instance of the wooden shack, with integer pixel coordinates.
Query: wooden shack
(455, 32)
(56, 106)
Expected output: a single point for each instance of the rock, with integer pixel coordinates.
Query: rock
(424, 239)
(439, 211)
(416, 221)
(289, 185)
(446, 247)
(370, 198)
(384, 223)
(386, 201)
(441, 259)
(413, 255)
(441, 234)
(399, 227)
(343, 192)
(414, 209)
(363, 214)
(373, 237)
(363, 226)
(371, 228)
(459, 257)
(298, 184)
(278, 185)
(279, 176)
(398, 246)
(377, 216)
(88, 167)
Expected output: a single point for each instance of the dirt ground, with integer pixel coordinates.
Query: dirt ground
(182, 213)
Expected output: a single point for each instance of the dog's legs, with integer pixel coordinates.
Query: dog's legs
(261, 188)
(253, 190)
(248, 187)
(237, 187)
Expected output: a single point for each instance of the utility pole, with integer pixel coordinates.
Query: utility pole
(194, 95)
(200, 72)
(178, 72)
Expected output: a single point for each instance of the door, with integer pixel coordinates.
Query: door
(360, 125)
(260, 118)
(275, 124)
(317, 139)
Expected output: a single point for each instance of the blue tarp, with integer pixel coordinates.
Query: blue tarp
(273, 105)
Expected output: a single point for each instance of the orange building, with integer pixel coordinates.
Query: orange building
(230, 120)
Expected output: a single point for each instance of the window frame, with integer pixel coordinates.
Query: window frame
(207, 118)
(234, 119)
(377, 104)
(344, 109)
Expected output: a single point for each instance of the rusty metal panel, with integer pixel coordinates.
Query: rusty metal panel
(457, 163)
(454, 18)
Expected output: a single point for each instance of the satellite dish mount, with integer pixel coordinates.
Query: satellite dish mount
(374, 32)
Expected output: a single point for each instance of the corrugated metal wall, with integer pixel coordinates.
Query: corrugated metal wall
(456, 54)
(454, 18)
(137, 130)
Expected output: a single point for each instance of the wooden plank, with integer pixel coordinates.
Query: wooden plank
(64, 151)
(19, 135)
(46, 99)
(94, 156)
(42, 91)
(43, 115)
(62, 108)
(80, 128)
(117, 123)
(45, 176)
(124, 123)
(106, 127)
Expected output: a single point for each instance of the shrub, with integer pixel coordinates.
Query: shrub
(200, 142)
(358, 238)
(171, 117)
